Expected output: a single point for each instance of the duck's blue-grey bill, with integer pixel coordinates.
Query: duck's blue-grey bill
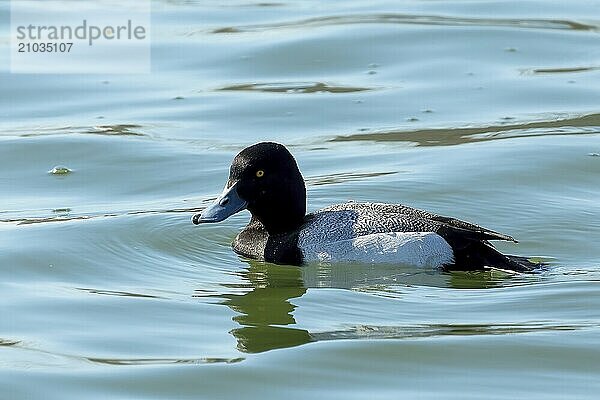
(227, 204)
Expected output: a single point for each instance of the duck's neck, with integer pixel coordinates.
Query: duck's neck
(285, 214)
(276, 223)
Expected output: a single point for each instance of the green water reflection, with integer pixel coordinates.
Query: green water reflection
(266, 311)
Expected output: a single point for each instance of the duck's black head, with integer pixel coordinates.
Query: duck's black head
(263, 178)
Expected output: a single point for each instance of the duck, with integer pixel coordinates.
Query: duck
(264, 179)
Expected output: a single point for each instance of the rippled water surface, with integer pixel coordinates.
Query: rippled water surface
(484, 110)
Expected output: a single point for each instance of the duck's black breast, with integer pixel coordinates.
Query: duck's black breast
(254, 242)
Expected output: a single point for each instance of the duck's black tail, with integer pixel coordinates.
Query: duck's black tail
(477, 255)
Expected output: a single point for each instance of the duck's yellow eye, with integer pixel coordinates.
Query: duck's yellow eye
(260, 173)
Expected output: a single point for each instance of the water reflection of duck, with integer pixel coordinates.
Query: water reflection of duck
(265, 313)
(265, 179)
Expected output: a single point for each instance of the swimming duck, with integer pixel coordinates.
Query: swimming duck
(264, 179)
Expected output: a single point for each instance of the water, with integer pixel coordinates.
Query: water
(483, 110)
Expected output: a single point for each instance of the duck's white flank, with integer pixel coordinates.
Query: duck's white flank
(342, 233)
(419, 249)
